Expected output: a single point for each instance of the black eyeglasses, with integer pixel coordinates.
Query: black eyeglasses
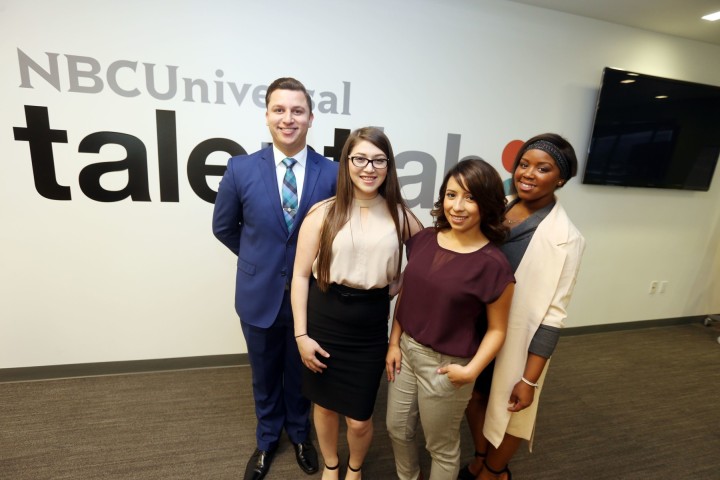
(361, 162)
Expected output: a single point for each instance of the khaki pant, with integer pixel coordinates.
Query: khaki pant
(419, 392)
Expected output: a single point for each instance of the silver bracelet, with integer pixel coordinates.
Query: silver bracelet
(534, 385)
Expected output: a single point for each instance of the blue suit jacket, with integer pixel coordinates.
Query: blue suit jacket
(248, 219)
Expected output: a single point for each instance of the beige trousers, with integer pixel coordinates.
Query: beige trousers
(420, 393)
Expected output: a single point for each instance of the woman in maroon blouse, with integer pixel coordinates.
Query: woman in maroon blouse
(450, 320)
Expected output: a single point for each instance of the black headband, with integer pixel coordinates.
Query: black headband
(555, 153)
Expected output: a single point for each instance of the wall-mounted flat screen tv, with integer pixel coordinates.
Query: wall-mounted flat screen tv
(654, 132)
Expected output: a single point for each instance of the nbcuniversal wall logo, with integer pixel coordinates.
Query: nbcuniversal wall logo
(86, 75)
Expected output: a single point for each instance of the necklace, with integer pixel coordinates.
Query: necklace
(512, 222)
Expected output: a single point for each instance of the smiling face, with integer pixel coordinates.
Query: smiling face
(368, 179)
(288, 117)
(460, 208)
(536, 178)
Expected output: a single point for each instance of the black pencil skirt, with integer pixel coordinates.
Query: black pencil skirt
(352, 326)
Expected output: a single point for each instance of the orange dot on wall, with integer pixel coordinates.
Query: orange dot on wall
(509, 153)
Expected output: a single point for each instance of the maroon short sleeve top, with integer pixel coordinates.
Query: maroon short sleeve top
(444, 293)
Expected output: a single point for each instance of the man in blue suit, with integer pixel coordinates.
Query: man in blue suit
(261, 201)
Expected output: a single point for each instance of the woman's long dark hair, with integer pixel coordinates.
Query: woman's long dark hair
(338, 212)
(483, 182)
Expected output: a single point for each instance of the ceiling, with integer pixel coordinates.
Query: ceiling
(673, 17)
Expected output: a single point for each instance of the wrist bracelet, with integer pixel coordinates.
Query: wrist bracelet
(534, 385)
(302, 335)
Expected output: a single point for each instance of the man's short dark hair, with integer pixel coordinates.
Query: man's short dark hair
(287, 83)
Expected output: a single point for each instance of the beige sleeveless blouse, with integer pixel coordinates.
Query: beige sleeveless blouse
(365, 251)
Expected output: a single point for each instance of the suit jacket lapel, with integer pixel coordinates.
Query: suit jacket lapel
(268, 172)
(312, 173)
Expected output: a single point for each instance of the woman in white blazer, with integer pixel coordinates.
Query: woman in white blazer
(545, 249)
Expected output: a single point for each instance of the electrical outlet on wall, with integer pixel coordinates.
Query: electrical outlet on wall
(653, 287)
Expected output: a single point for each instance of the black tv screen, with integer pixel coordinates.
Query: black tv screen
(654, 132)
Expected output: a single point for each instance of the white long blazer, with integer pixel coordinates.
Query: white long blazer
(545, 280)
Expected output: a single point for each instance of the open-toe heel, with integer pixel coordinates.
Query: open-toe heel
(465, 473)
(332, 469)
(498, 472)
(354, 470)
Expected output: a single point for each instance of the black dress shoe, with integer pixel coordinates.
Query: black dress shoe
(259, 464)
(306, 456)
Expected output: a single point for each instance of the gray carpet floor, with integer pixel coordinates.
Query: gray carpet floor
(636, 404)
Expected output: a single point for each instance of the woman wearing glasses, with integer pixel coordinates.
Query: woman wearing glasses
(347, 265)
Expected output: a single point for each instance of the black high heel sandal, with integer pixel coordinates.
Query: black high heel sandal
(500, 472)
(355, 470)
(333, 468)
(465, 473)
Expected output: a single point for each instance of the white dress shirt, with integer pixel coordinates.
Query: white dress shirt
(298, 169)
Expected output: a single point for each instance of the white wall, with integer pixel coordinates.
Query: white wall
(88, 281)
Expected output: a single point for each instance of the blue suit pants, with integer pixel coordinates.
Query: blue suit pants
(277, 380)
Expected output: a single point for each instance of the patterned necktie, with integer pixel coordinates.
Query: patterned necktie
(289, 193)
